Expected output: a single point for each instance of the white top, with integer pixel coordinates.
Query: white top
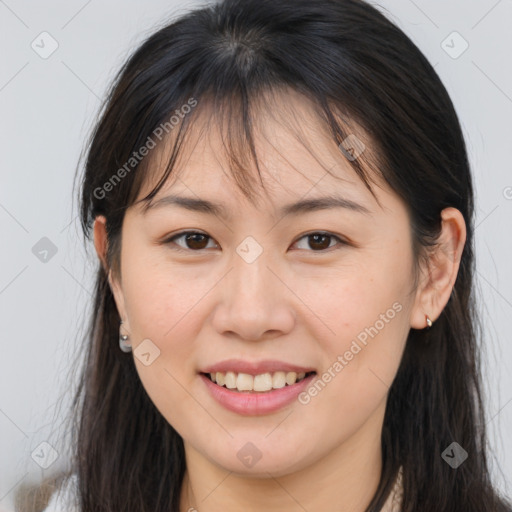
(63, 500)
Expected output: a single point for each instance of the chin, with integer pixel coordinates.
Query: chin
(259, 459)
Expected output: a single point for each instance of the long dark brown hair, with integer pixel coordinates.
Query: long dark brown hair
(358, 68)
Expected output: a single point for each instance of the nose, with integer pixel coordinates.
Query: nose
(254, 303)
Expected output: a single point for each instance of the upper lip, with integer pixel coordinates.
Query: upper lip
(255, 367)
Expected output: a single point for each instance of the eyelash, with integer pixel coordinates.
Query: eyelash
(341, 242)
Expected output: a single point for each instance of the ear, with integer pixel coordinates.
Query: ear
(101, 246)
(440, 271)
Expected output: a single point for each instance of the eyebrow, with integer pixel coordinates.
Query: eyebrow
(219, 210)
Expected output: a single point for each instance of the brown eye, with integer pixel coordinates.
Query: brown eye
(320, 241)
(194, 240)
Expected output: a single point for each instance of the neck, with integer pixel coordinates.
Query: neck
(347, 476)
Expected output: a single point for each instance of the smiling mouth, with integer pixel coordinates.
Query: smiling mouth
(263, 383)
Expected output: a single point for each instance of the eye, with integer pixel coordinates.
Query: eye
(320, 240)
(196, 241)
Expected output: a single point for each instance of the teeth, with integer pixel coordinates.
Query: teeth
(230, 380)
(291, 377)
(244, 382)
(279, 380)
(262, 382)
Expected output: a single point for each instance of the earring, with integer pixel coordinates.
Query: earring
(123, 341)
(429, 322)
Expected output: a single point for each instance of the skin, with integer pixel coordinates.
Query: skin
(293, 303)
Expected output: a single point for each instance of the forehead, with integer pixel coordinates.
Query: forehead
(296, 154)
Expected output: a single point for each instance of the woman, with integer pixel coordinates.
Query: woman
(284, 317)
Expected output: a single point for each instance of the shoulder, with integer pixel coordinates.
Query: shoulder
(64, 499)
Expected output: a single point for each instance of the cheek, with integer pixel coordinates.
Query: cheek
(347, 304)
(160, 310)
(361, 316)
(359, 365)
(161, 298)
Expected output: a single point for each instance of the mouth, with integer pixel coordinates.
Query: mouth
(256, 384)
(255, 395)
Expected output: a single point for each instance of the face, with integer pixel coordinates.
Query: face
(263, 293)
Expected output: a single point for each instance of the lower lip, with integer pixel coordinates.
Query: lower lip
(256, 403)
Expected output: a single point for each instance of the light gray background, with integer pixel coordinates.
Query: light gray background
(47, 109)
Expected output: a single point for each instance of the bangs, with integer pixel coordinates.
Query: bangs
(237, 118)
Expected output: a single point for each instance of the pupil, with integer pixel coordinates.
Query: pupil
(194, 239)
(316, 237)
